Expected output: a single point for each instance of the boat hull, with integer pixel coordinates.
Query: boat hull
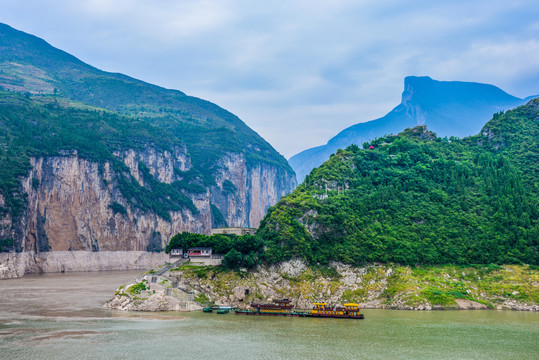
(357, 317)
(299, 314)
(256, 313)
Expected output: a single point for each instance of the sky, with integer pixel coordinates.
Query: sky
(296, 71)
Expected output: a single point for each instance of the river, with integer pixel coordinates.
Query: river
(59, 316)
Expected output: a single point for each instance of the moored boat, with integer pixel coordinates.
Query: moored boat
(284, 308)
(349, 311)
(278, 308)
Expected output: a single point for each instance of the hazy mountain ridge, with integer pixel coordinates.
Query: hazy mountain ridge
(449, 108)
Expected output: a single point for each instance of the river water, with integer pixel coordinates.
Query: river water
(59, 316)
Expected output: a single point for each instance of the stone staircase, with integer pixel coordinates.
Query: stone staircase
(172, 266)
(178, 289)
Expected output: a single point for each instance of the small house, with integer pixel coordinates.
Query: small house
(199, 252)
(176, 252)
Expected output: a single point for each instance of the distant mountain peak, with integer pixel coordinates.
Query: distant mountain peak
(449, 108)
(413, 85)
(414, 81)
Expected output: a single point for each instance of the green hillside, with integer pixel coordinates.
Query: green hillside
(30, 65)
(416, 198)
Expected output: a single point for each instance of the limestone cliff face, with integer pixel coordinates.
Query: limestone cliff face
(255, 189)
(69, 198)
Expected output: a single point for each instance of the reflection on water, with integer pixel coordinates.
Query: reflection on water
(59, 316)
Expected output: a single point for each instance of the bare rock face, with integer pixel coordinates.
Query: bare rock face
(469, 305)
(69, 211)
(69, 197)
(255, 188)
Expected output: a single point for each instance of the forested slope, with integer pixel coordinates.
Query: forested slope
(416, 198)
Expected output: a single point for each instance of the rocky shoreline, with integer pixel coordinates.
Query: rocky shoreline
(191, 287)
(152, 292)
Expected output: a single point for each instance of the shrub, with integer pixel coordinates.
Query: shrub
(118, 208)
(137, 288)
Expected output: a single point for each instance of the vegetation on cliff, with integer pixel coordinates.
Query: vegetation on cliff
(41, 126)
(418, 199)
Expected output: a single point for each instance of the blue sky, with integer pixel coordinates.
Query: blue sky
(296, 71)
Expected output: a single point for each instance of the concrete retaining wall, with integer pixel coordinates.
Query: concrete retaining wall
(13, 265)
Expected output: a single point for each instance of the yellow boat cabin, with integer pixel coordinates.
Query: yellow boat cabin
(349, 310)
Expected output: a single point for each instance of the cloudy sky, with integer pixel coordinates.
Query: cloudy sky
(296, 71)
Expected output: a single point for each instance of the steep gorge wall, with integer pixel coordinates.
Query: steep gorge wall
(256, 188)
(68, 202)
(68, 210)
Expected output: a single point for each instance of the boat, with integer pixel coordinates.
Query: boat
(219, 309)
(349, 311)
(278, 308)
(321, 309)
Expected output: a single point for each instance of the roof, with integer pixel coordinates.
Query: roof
(199, 248)
(351, 304)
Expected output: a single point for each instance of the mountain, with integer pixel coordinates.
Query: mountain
(97, 161)
(449, 108)
(414, 198)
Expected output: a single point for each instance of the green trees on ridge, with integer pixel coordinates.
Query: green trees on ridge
(240, 251)
(415, 198)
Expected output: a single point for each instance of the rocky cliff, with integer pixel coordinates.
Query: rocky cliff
(254, 190)
(69, 202)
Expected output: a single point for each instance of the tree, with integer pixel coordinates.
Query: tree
(233, 259)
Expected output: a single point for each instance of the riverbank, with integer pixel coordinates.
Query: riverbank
(512, 287)
(60, 316)
(14, 265)
(152, 292)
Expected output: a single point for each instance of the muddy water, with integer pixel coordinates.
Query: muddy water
(59, 316)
